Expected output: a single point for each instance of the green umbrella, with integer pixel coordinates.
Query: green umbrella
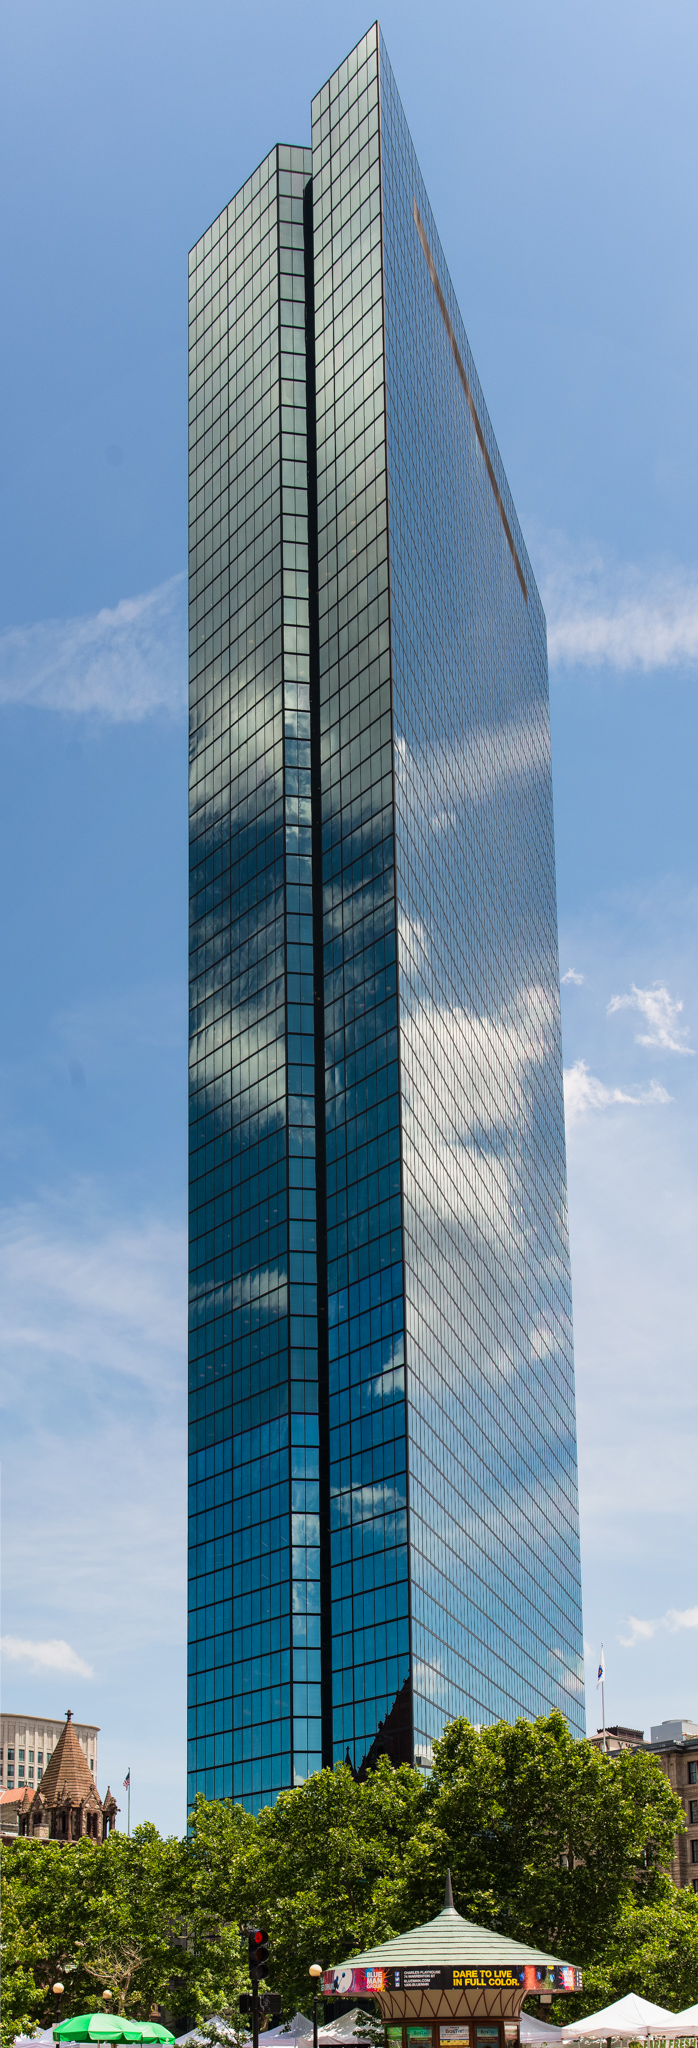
(101, 2026)
(150, 2030)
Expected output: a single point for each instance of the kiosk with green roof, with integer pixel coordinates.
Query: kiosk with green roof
(450, 1984)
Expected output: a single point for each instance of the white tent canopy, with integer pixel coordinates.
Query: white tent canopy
(339, 2033)
(688, 2019)
(297, 2029)
(629, 2019)
(536, 2033)
(193, 2038)
(344, 2027)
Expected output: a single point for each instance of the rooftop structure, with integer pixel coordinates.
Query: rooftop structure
(673, 1731)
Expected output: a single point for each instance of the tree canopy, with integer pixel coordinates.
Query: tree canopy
(546, 1839)
(122, 1915)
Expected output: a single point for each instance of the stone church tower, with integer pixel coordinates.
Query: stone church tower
(67, 1805)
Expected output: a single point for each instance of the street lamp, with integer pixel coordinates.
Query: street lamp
(315, 1971)
(58, 1990)
(107, 1994)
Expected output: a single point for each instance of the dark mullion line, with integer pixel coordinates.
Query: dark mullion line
(319, 980)
(410, 1615)
(446, 317)
(289, 1454)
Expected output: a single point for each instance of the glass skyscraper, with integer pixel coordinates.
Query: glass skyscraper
(383, 1486)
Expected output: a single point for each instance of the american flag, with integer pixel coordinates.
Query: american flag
(127, 1780)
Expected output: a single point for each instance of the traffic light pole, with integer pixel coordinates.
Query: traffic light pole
(258, 1957)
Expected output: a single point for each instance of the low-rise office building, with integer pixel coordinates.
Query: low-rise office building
(27, 1743)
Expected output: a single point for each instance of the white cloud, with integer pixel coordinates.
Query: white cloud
(54, 1655)
(572, 976)
(475, 1064)
(633, 1223)
(661, 1012)
(93, 1362)
(674, 1620)
(98, 1293)
(640, 1632)
(121, 664)
(633, 1196)
(445, 781)
(584, 1092)
(617, 615)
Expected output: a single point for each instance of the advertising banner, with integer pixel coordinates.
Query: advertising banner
(356, 1983)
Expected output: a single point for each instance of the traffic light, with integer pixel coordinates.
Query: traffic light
(258, 1950)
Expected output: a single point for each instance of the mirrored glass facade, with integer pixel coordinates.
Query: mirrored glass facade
(383, 1504)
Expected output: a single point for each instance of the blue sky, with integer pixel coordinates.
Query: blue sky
(559, 145)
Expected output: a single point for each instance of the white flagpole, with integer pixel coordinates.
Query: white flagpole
(601, 1681)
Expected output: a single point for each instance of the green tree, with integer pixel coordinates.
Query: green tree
(23, 1999)
(653, 1950)
(317, 1869)
(228, 2028)
(546, 1838)
(122, 1915)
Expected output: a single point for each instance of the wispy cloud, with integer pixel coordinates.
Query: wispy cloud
(584, 1092)
(661, 1012)
(121, 664)
(47, 1656)
(571, 975)
(100, 1294)
(617, 615)
(445, 780)
(93, 1364)
(676, 1618)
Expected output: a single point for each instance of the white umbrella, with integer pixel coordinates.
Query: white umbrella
(629, 2019)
